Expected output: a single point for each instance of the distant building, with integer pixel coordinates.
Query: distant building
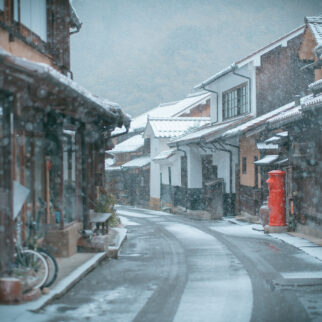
(130, 177)
(249, 88)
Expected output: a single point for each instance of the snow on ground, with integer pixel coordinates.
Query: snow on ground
(233, 227)
(238, 229)
(295, 275)
(305, 245)
(140, 213)
(123, 212)
(100, 304)
(127, 222)
(216, 282)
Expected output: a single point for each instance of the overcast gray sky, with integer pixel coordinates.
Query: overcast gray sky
(140, 53)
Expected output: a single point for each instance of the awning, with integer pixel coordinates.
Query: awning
(281, 162)
(266, 146)
(273, 139)
(109, 169)
(268, 159)
(48, 87)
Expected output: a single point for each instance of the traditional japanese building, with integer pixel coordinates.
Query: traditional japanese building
(130, 176)
(53, 132)
(249, 88)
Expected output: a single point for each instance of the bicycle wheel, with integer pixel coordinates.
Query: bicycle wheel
(52, 267)
(34, 266)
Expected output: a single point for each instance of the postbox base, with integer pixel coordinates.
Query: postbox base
(275, 229)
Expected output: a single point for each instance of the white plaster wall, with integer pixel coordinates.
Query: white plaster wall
(221, 160)
(194, 167)
(154, 169)
(157, 145)
(227, 82)
(176, 170)
(175, 164)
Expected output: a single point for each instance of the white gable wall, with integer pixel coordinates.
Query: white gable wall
(228, 82)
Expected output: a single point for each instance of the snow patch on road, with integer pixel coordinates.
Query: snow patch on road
(132, 214)
(249, 231)
(127, 222)
(305, 245)
(217, 281)
(295, 275)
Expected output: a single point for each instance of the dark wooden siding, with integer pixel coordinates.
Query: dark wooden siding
(280, 78)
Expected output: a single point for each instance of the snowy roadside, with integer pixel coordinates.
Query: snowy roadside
(239, 228)
(22, 312)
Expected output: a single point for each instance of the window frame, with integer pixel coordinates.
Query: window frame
(235, 101)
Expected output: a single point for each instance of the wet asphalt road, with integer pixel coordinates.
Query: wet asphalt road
(173, 268)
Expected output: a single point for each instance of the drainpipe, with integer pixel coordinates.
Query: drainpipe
(217, 100)
(185, 154)
(250, 87)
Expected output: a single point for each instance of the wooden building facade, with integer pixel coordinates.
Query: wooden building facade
(53, 132)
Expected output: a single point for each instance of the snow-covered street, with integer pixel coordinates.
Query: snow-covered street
(176, 269)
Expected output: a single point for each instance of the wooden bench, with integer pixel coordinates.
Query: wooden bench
(100, 219)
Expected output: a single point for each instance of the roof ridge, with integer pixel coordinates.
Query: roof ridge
(178, 118)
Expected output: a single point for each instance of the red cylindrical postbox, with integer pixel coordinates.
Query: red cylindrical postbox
(276, 199)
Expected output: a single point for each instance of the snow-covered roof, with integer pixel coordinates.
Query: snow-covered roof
(255, 56)
(75, 21)
(109, 169)
(283, 134)
(316, 86)
(273, 139)
(259, 120)
(315, 24)
(130, 145)
(278, 42)
(268, 159)
(312, 102)
(175, 126)
(109, 162)
(169, 109)
(216, 76)
(292, 114)
(208, 132)
(104, 107)
(266, 146)
(138, 162)
(163, 155)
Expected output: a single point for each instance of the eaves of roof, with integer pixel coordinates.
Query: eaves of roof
(208, 132)
(45, 74)
(251, 56)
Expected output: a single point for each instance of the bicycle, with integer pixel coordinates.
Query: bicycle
(32, 244)
(30, 266)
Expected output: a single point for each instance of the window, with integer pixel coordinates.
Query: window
(69, 164)
(33, 15)
(244, 165)
(235, 102)
(256, 172)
